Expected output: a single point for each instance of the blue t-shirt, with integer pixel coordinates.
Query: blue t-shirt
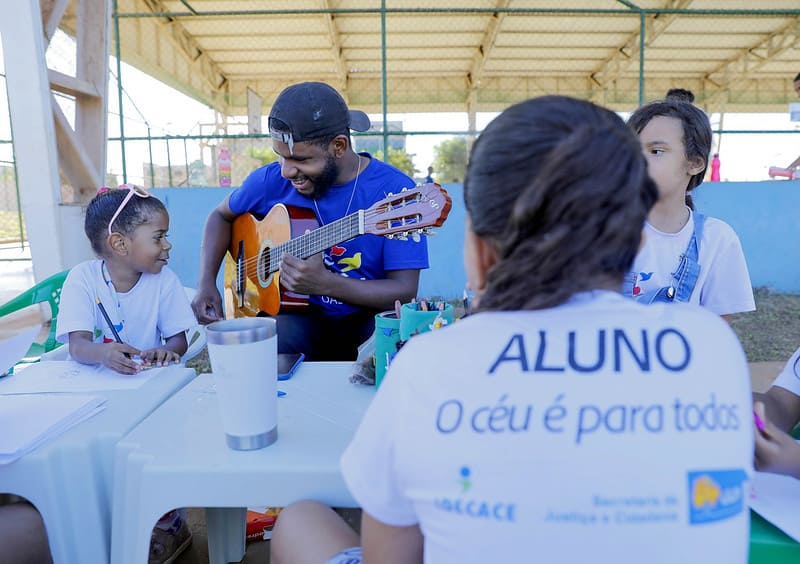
(367, 257)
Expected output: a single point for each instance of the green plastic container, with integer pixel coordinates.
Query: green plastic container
(414, 321)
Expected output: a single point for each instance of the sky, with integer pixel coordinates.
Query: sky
(147, 102)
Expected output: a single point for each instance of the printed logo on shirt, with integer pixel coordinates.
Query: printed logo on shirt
(715, 495)
(350, 263)
(334, 259)
(641, 277)
(475, 508)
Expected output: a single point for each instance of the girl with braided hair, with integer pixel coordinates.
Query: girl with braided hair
(551, 424)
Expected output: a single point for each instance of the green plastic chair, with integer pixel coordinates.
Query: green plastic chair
(48, 290)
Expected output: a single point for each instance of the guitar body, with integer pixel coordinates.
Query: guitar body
(248, 292)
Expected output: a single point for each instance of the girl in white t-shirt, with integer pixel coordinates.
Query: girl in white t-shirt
(778, 412)
(128, 304)
(686, 257)
(560, 422)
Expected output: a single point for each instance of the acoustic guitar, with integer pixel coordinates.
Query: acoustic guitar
(252, 277)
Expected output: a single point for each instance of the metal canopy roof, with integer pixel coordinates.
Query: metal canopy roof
(469, 55)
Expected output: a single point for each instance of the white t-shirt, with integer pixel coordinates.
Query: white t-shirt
(155, 308)
(599, 431)
(789, 378)
(723, 285)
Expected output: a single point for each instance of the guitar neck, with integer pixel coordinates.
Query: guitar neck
(318, 240)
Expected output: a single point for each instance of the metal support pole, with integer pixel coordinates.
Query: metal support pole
(642, 31)
(169, 164)
(119, 93)
(186, 160)
(150, 151)
(383, 83)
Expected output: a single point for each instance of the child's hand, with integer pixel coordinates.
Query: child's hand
(117, 357)
(776, 451)
(160, 357)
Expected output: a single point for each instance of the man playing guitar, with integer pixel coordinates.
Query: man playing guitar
(318, 172)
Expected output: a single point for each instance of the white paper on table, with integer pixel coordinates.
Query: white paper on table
(28, 420)
(71, 376)
(777, 499)
(13, 350)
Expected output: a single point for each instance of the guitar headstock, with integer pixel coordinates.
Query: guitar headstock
(409, 212)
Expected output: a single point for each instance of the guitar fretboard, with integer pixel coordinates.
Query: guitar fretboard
(315, 241)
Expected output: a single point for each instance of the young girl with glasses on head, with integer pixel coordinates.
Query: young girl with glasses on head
(580, 426)
(126, 303)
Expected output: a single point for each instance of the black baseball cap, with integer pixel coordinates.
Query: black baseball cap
(312, 110)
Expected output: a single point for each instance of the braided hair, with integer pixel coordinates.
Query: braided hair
(559, 187)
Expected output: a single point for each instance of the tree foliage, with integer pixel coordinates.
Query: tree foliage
(265, 155)
(450, 160)
(400, 159)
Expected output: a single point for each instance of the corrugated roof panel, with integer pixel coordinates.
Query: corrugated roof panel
(434, 57)
(701, 25)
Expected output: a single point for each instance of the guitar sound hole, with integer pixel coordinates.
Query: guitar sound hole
(264, 262)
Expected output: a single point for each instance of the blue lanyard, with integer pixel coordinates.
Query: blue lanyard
(114, 296)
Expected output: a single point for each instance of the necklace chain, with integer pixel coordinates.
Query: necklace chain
(114, 296)
(353, 193)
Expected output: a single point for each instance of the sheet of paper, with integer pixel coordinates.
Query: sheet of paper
(29, 420)
(777, 499)
(71, 376)
(13, 349)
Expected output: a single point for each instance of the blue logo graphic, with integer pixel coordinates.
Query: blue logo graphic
(469, 507)
(465, 482)
(715, 495)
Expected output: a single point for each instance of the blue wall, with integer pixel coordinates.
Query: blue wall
(766, 216)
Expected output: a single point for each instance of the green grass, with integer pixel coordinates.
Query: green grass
(9, 226)
(772, 332)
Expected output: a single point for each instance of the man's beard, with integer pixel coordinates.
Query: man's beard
(325, 179)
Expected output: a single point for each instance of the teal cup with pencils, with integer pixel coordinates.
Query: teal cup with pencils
(387, 335)
(421, 316)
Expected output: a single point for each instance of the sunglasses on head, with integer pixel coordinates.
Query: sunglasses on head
(132, 189)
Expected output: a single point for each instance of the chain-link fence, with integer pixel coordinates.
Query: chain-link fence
(181, 99)
(459, 62)
(12, 225)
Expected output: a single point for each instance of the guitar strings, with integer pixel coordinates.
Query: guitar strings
(250, 264)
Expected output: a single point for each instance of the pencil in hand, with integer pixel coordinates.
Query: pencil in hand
(109, 323)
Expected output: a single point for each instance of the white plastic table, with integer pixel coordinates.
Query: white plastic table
(69, 478)
(191, 466)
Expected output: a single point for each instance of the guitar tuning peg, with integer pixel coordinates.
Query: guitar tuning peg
(415, 236)
(429, 232)
(402, 236)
